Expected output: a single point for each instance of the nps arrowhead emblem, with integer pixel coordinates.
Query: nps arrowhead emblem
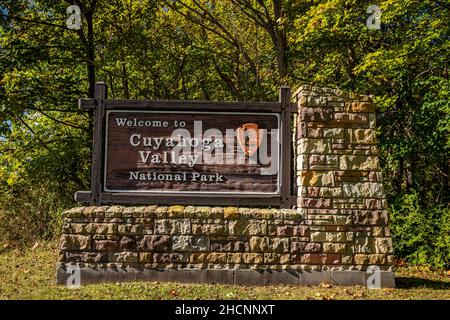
(248, 137)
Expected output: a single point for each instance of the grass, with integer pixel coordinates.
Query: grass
(30, 274)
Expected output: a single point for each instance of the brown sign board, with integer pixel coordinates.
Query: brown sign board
(182, 151)
(190, 152)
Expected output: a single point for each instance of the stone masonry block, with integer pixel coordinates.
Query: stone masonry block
(348, 162)
(315, 146)
(248, 227)
(190, 243)
(75, 242)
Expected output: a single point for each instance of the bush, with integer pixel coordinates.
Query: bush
(421, 234)
(32, 214)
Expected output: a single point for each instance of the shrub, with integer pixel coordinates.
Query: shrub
(421, 234)
(33, 213)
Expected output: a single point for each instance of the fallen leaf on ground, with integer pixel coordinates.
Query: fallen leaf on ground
(358, 294)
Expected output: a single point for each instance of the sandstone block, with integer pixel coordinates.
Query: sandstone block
(266, 244)
(341, 220)
(317, 258)
(87, 257)
(350, 118)
(231, 213)
(170, 258)
(314, 132)
(114, 212)
(145, 257)
(364, 136)
(363, 190)
(209, 229)
(248, 227)
(106, 245)
(127, 244)
(104, 228)
(383, 245)
(313, 101)
(334, 247)
(276, 258)
(79, 228)
(314, 202)
(175, 212)
(295, 215)
(217, 213)
(378, 231)
(320, 236)
(127, 212)
(370, 259)
(364, 244)
(214, 257)
(374, 204)
(150, 211)
(172, 226)
(313, 191)
(229, 245)
(130, 229)
(315, 159)
(330, 192)
(335, 133)
(348, 162)
(332, 160)
(129, 257)
(296, 231)
(316, 114)
(161, 212)
(155, 243)
(190, 243)
(317, 178)
(305, 247)
(75, 242)
(248, 258)
(316, 146)
(359, 107)
(74, 213)
(369, 217)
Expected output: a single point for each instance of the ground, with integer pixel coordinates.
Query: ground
(30, 274)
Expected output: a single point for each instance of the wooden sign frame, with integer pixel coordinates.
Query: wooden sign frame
(100, 105)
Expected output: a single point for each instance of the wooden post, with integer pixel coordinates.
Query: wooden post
(285, 101)
(98, 144)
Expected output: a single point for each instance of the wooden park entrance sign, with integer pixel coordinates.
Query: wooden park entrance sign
(203, 191)
(190, 152)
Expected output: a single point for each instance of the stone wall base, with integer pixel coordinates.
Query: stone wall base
(230, 277)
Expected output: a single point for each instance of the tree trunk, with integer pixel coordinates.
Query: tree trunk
(280, 41)
(90, 52)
